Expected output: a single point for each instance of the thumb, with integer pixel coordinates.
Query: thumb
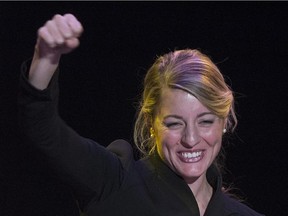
(72, 43)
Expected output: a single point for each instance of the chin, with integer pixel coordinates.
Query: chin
(192, 174)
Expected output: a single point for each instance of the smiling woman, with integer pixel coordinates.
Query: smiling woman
(185, 109)
(187, 135)
(187, 105)
(190, 71)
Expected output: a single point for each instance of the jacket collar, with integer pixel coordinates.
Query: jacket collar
(177, 184)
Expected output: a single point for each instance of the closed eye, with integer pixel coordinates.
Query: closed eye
(173, 124)
(206, 122)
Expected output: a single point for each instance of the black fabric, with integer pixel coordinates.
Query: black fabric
(108, 181)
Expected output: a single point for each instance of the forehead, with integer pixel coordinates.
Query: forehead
(178, 101)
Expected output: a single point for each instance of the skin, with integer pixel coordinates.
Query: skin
(189, 132)
(58, 36)
(185, 127)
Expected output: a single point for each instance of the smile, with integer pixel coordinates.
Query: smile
(191, 156)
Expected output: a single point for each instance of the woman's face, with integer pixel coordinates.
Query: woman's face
(188, 135)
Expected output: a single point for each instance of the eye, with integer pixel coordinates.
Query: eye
(173, 124)
(206, 122)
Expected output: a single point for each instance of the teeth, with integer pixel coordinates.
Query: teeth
(191, 155)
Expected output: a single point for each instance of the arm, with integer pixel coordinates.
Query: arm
(88, 167)
(58, 36)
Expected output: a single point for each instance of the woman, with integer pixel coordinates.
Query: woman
(185, 110)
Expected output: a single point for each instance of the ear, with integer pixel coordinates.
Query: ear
(225, 122)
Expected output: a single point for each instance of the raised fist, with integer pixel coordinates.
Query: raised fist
(58, 36)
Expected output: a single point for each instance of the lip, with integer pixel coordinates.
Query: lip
(191, 159)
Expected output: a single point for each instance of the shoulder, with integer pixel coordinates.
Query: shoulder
(235, 207)
(123, 150)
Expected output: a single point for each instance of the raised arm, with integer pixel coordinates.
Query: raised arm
(88, 167)
(58, 36)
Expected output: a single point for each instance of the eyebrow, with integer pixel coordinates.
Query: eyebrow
(198, 116)
(173, 116)
(205, 113)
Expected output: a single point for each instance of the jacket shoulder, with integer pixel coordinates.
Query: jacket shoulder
(235, 207)
(123, 150)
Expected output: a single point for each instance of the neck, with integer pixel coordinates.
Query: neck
(202, 192)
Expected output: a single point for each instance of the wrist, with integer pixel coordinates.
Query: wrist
(42, 70)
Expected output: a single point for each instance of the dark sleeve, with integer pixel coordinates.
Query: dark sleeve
(88, 167)
(237, 208)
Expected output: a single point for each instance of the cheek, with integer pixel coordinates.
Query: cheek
(167, 140)
(213, 138)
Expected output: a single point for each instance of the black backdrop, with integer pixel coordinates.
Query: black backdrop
(101, 82)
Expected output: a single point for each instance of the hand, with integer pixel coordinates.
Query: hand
(58, 36)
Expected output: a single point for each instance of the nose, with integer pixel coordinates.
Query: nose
(190, 137)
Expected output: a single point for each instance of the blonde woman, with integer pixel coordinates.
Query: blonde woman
(185, 110)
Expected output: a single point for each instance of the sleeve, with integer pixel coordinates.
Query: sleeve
(91, 170)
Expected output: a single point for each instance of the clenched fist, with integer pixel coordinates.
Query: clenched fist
(58, 36)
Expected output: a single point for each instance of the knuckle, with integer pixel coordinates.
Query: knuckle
(41, 31)
(57, 16)
(49, 23)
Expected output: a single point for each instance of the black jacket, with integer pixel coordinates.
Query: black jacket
(108, 181)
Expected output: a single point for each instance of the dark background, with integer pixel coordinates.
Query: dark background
(101, 82)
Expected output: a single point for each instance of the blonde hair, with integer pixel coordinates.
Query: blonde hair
(191, 71)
